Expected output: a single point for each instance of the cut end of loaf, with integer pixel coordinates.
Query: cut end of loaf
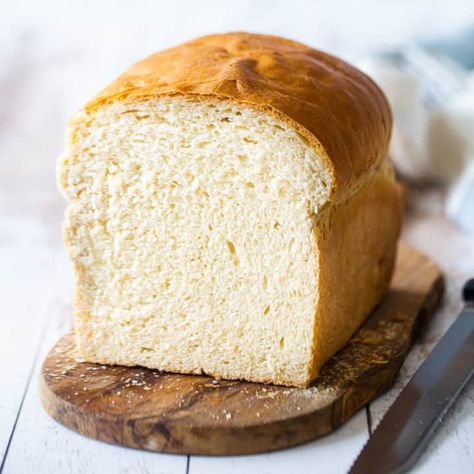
(190, 227)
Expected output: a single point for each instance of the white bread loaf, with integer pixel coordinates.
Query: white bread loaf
(231, 210)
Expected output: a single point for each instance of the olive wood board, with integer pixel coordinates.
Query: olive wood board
(195, 414)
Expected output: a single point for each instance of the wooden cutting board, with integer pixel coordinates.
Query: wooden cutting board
(192, 414)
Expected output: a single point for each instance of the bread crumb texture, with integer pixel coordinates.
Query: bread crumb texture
(190, 229)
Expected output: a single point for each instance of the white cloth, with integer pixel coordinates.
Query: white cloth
(428, 142)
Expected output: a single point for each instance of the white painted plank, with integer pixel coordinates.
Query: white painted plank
(42, 446)
(428, 229)
(451, 449)
(332, 454)
(28, 266)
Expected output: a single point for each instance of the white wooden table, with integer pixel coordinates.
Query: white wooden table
(52, 57)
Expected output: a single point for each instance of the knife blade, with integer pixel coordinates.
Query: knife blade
(408, 425)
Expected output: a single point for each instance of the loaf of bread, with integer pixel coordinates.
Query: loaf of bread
(231, 210)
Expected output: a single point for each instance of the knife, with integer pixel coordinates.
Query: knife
(410, 422)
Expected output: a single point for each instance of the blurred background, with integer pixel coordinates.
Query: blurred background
(56, 54)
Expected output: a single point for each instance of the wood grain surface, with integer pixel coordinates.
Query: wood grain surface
(191, 414)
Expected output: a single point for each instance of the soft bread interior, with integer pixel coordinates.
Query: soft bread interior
(190, 229)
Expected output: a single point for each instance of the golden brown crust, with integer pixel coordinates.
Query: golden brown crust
(335, 106)
(357, 241)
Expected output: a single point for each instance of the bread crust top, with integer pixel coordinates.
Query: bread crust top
(340, 110)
